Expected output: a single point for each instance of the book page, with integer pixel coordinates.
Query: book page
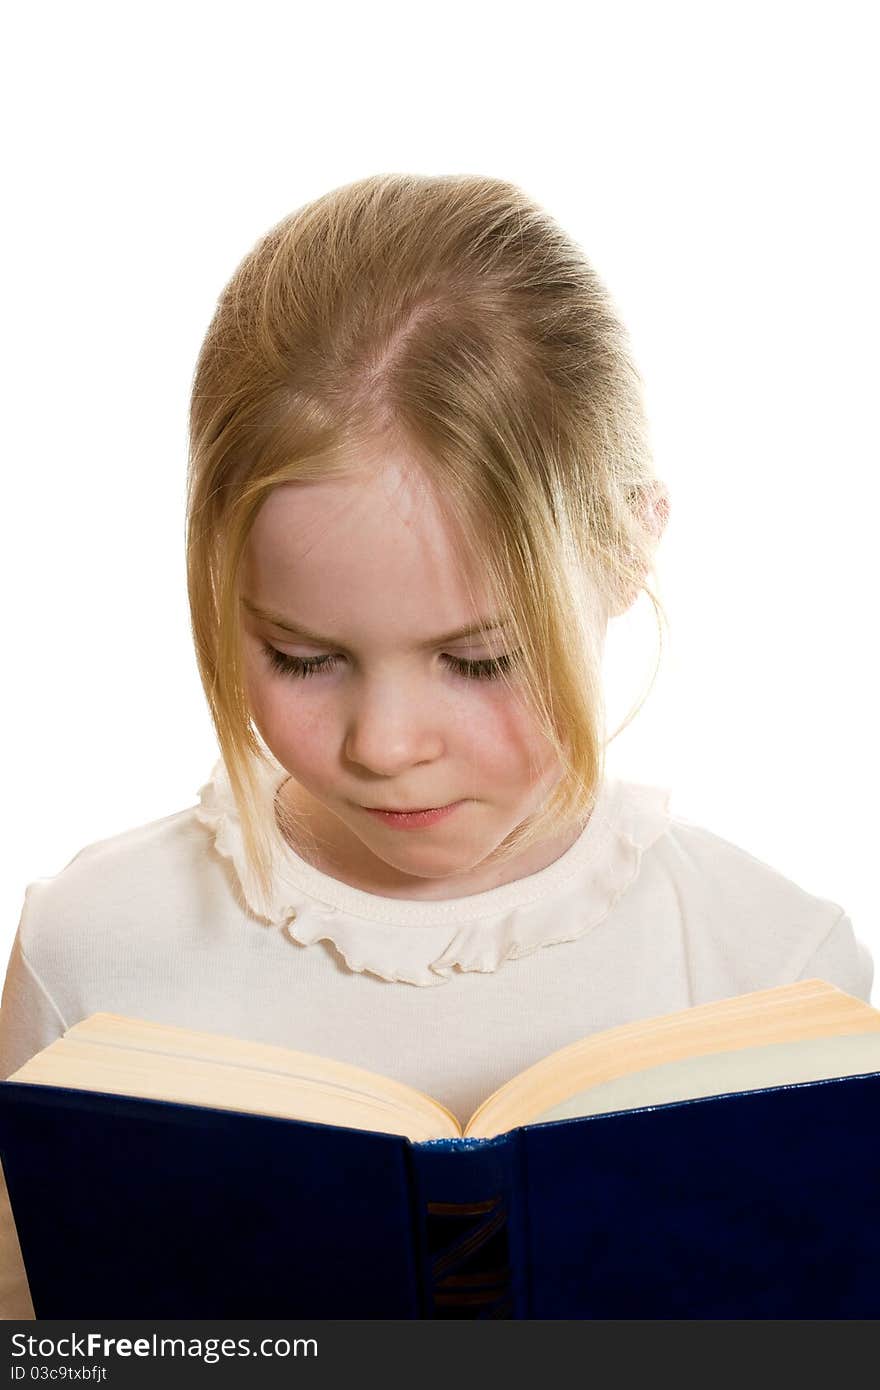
(749, 1069)
(785, 1013)
(123, 1056)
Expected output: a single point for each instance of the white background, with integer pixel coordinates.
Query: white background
(717, 163)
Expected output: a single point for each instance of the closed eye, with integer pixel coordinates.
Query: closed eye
(301, 667)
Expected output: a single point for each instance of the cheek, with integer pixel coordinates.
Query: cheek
(304, 734)
(295, 725)
(505, 740)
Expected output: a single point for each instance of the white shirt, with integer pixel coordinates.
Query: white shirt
(643, 915)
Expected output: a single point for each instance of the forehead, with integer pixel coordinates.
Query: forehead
(375, 548)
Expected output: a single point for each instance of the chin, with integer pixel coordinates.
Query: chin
(426, 863)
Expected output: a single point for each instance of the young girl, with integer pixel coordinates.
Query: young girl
(420, 488)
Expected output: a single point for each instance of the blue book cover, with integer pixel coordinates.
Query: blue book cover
(756, 1204)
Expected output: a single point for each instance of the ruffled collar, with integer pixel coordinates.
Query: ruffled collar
(420, 942)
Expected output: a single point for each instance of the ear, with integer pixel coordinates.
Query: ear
(653, 504)
(655, 507)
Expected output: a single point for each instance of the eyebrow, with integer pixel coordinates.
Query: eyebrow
(305, 634)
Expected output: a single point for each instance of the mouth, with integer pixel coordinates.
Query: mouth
(412, 819)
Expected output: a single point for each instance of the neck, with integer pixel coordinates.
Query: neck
(328, 845)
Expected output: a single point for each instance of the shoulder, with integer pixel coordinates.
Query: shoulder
(744, 919)
(129, 857)
(702, 866)
(707, 863)
(149, 874)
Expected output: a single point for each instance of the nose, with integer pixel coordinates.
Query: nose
(393, 727)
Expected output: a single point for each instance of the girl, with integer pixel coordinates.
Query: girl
(419, 490)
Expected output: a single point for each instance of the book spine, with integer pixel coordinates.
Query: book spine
(466, 1226)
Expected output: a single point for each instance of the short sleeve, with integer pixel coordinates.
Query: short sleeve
(842, 960)
(29, 1021)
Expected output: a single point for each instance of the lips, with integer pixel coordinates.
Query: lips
(413, 820)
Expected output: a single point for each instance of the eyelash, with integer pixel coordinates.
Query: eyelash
(302, 667)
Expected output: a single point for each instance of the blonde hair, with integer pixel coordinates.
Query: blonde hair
(450, 317)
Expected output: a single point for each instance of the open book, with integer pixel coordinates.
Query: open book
(808, 1031)
(717, 1162)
